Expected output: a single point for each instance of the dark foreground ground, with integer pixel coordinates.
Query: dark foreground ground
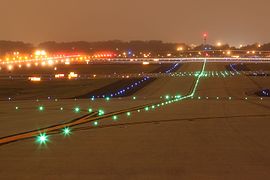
(222, 133)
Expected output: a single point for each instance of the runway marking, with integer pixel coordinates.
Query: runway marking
(172, 120)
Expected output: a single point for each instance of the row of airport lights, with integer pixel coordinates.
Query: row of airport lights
(77, 109)
(206, 74)
(124, 90)
(43, 138)
(129, 88)
(223, 74)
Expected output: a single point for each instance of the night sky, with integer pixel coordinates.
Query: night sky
(229, 21)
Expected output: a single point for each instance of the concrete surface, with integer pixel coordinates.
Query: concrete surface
(192, 139)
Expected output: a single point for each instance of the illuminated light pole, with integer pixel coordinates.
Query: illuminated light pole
(205, 35)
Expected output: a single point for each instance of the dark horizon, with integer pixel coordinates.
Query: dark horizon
(229, 22)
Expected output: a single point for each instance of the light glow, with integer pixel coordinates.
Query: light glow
(42, 138)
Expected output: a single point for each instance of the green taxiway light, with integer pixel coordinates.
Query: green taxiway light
(77, 109)
(167, 97)
(101, 112)
(114, 118)
(128, 113)
(107, 98)
(41, 108)
(134, 98)
(90, 110)
(95, 123)
(16, 107)
(66, 131)
(42, 138)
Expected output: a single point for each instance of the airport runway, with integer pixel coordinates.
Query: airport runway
(217, 134)
(89, 118)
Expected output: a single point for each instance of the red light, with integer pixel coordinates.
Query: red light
(205, 35)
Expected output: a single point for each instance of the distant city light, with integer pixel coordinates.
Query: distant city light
(57, 76)
(219, 44)
(72, 75)
(10, 67)
(40, 53)
(180, 49)
(145, 63)
(35, 79)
